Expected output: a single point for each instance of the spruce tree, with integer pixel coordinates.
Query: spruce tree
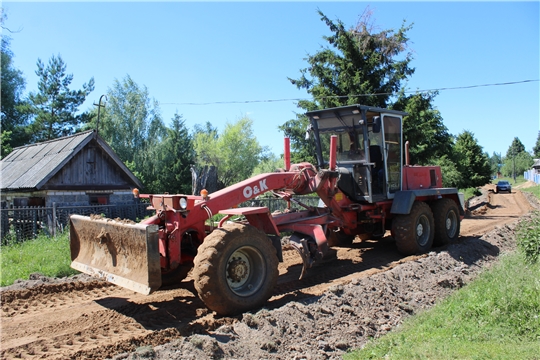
(54, 107)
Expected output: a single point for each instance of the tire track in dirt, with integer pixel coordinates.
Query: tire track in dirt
(27, 302)
(60, 322)
(98, 320)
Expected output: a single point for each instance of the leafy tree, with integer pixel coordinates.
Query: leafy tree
(173, 158)
(361, 65)
(13, 121)
(515, 148)
(235, 152)
(131, 124)
(472, 162)
(207, 128)
(536, 148)
(522, 162)
(204, 173)
(54, 107)
(5, 147)
(451, 177)
(302, 148)
(269, 165)
(13, 85)
(517, 160)
(207, 147)
(495, 162)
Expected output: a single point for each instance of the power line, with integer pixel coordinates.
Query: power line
(345, 96)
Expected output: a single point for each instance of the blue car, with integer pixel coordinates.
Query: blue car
(503, 185)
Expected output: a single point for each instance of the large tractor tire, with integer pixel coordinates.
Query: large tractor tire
(447, 221)
(414, 232)
(236, 269)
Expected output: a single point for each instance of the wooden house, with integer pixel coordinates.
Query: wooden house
(536, 166)
(76, 170)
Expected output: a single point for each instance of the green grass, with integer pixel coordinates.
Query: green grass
(534, 190)
(528, 238)
(495, 317)
(44, 255)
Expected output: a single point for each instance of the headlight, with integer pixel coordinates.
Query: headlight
(183, 203)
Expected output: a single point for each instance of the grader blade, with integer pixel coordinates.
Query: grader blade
(123, 254)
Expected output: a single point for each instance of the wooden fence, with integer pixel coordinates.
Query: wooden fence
(21, 223)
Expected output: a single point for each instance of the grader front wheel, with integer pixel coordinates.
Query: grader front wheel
(236, 269)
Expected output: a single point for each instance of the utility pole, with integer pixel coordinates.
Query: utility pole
(98, 111)
(514, 158)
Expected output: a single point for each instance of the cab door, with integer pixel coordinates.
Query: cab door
(392, 152)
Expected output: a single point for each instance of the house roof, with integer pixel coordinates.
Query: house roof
(536, 163)
(31, 166)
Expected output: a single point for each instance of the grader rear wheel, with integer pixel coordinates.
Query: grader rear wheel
(235, 269)
(414, 232)
(447, 222)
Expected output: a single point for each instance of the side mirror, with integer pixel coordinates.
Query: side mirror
(309, 130)
(376, 124)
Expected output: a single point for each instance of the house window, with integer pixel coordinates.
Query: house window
(28, 201)
(99, 199)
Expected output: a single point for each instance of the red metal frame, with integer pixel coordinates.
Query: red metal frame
(177, 224)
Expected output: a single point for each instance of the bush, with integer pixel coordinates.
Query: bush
(470, 192)
(528, 237)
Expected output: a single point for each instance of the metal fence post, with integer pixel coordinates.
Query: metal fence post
(5, 221)
(34, 221)
(54, 219)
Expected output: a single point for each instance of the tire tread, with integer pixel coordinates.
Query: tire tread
(404, 230)
(440, 209)
(212, 286)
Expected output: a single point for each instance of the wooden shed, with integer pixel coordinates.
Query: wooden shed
(80, 169)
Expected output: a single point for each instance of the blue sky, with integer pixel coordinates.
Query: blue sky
(206, 52)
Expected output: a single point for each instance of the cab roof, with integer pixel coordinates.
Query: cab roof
(347, 117)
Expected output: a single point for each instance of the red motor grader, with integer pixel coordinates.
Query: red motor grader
(364, 190)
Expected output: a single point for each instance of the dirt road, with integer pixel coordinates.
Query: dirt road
(92, 319)
(493, 209)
